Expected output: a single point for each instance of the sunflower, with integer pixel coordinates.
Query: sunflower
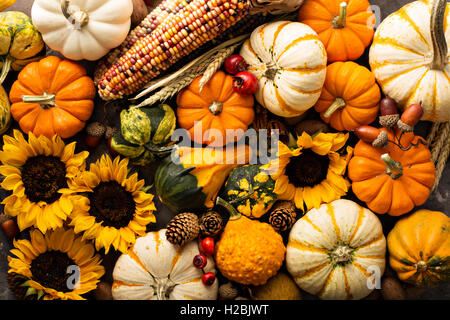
(57, 265)
(35, 171)
(312, 172)
(113, 208)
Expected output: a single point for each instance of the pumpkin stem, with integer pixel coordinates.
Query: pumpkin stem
(393, 168)
(337, 104)
(78, 18)
(271, 71)
(216, 108)
(234, 214)
(421, 266)
(341, 255)
(46, 100)
(340, 21)
(5, 69)
(440, 49)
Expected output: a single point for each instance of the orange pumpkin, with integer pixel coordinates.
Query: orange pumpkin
(350, 97)
(214, 115)
(52, 96)
(391, 180)
(419, 248)
(346, 28)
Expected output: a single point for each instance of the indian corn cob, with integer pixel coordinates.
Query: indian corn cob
(197, 22)
(150, 23)
(245, 25)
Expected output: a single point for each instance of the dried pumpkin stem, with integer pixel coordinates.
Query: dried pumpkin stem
(341, 255)
(421, 266)
(340, 21)
(337, 104)
(393, 168)
(234, 214)
(46, 100)
(78, 18)
(216, 108)
(440, 49)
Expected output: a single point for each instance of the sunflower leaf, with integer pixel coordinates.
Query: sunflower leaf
(30, 291)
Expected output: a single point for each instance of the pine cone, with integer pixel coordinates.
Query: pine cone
(211, 224)
(282, 216)
(183, 228)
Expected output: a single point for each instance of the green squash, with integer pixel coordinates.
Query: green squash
(250, 191)
(191, 178)
(5, 111)
(20, 42)
(145, 133)
(125, 148)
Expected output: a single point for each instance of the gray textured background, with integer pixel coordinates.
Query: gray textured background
(439, 200)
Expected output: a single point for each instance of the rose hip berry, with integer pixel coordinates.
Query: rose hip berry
(245, 83)
(235, 64)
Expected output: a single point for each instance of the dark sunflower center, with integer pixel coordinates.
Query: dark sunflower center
(307, 169)
(50, 269)
(112, 204)
(42, 177)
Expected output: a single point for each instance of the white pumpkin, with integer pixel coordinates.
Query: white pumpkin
(337, 251)
(155, 269)
(82, 29)
(409, 57)
(289, 61)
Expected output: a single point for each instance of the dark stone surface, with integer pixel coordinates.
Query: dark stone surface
(439, 200)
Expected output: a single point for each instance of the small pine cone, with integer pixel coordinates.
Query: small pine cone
(183, 228)
(282, 217)
(211, 224)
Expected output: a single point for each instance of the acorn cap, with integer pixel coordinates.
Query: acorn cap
(228, 291)
(404, 127)
(381, 141)
(110, 132)
(389, 121)
(95, 129)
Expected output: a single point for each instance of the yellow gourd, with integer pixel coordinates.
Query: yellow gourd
(248, 252)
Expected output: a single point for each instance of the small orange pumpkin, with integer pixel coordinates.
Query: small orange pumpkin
(391, 180)
(345, 27)
(214, 115)
(52, 96)
(350, 97)
(419, 248)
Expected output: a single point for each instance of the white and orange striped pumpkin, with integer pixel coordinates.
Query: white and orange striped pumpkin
(155, 269)
(337, 251)
(409, 57)
(289, 61)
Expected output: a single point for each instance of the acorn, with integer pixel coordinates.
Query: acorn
(378, 138)
(109, 134)
(9, 226)
(389, 115)
(228, 291)
(103, 291)
(94, 134)
(410, 117)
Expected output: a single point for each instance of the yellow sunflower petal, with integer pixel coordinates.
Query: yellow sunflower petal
(10, 181)
(312, 197)
(6, 170)
(298, 198)
(305, 141)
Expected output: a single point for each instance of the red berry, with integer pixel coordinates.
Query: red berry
(245, 83)
(235, 63)
(208, 278)
(207, 246)
(200, 261)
